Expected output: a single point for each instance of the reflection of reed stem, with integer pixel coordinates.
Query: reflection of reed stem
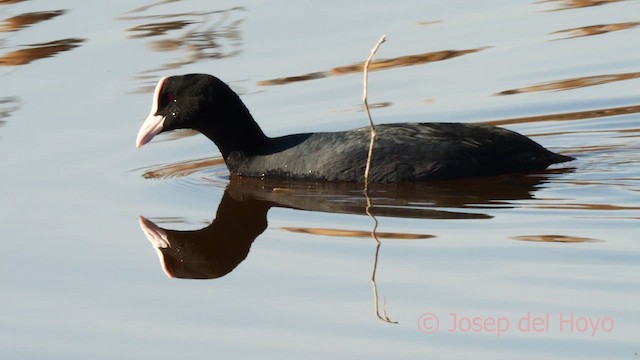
(366, 108)
(374, 235)
(376, 302)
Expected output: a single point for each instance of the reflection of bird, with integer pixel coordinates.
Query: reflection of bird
(217, 249)
(214, 251)
(402, 152)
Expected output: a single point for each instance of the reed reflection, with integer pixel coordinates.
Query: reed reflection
(194, 36)
(554, 238)
(568, 116)
(217, 249)
(595, 30)
(19, 22)
(381, 64)
(576, 4)
(8, 105)
(38, 51)
(574, 83)
(9, 2)
(31, 52)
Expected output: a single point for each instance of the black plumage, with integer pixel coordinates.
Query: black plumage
(402, 152)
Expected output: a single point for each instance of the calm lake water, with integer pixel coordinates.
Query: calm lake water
(522, 266)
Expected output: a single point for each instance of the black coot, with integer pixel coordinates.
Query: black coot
(402, 152)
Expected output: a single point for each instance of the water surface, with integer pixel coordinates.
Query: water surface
(288, 266)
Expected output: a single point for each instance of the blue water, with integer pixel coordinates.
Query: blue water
(80, 279)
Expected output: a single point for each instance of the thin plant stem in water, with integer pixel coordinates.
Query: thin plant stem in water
(374, 235)
(366, 108)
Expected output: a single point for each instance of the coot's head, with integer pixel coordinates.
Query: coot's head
(196, 101)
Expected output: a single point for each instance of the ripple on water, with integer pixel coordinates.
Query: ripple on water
(196, 173)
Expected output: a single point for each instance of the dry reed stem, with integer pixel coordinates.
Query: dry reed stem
(366, 108)
(382, 316)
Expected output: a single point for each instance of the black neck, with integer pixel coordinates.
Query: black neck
(234, 129)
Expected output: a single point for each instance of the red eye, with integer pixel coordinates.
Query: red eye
(171, 98)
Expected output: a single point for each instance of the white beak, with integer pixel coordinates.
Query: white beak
(152, 126)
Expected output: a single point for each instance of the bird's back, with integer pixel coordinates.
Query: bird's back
(402, 152)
